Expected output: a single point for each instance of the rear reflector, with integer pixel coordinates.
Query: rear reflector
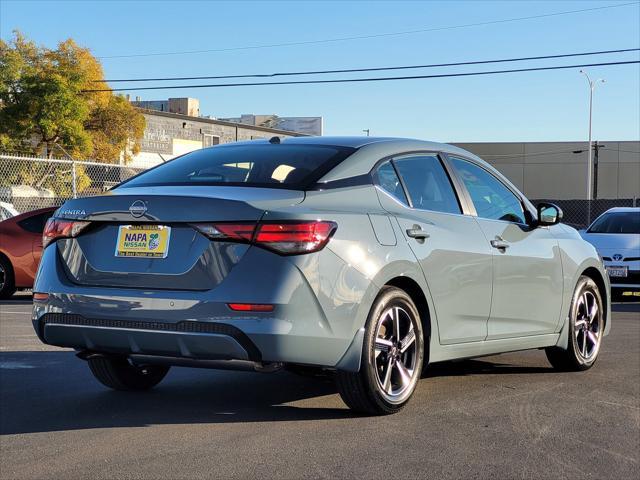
(40, 297)
(285, 237)
(57, 228)
(250, 307)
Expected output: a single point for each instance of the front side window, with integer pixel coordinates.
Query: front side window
(387, 178)
(617, 222)
(260, 165)
(490, 197)
(427, 183)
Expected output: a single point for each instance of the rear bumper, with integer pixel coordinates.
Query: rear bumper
(194, 340)
(305, 327)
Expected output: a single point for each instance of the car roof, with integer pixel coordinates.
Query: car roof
(32, 213)
(347, 141)
(623, 209)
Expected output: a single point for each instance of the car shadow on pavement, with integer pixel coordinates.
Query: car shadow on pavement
(478, 367)
(54, 391)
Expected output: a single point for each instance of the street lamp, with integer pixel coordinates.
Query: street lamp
(366, 130)
(592, 87)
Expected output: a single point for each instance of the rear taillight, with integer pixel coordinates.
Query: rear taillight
(284, 237)
(57, 228)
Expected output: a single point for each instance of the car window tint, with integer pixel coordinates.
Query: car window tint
(427, 183)
(258, 165)
(491, 198)
(388, 180)
(36, 223)
(617, 222)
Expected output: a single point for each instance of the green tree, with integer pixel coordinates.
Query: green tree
(43, 105)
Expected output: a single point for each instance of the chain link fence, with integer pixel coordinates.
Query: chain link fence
(580, 213)
(28, 183)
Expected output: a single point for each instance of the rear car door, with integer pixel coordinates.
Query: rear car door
(449, 245)
(527, 270)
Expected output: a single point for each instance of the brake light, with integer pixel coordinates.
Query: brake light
(250, 307)
(295, 237)
(284, 237)
(57, 228)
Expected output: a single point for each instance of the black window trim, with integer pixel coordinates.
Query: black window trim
(466, 207)
(523, 203)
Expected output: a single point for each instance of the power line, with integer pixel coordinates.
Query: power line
(365, 37)
(372, 69)
(370, 79)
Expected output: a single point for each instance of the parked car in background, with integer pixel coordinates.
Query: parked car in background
(21, 249)
(368, 257)
(616, 236)
(7, 210)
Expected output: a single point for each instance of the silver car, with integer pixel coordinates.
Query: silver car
(616, 236)
(368, 258)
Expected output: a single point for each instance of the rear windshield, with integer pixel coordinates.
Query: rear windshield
(617, 222)
(263, 165)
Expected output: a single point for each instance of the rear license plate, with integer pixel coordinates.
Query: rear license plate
(617, 271)
(148, 241)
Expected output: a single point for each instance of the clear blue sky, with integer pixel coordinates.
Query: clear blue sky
(540, 106)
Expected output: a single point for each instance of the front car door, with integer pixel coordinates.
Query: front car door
(527, 270)
(450, 246)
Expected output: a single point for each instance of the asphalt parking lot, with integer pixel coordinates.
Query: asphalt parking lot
(508, 416)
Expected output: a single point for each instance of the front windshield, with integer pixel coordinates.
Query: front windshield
(617, 222)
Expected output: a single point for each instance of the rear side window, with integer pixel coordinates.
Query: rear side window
(387, 178)
(36, 223)
(427, 183)
(617, 222)
(490, 197)
(262, 165)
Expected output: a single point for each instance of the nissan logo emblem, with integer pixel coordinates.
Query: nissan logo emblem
(138, 209)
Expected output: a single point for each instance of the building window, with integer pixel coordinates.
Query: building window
(209, 140)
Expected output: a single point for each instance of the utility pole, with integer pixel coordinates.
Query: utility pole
(596, 149)
(592, 87)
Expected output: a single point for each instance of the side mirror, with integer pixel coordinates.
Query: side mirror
(548, 214)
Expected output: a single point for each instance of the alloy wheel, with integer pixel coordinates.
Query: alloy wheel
(395, 354)
(587, 326)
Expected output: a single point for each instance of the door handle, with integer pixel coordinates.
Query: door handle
(417, 233)
(499, 243)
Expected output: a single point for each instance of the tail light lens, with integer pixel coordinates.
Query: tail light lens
(57, 228)
(285, 238)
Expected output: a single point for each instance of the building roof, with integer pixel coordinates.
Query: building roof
(211, 121)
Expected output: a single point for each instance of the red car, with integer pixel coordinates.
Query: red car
(21, 249)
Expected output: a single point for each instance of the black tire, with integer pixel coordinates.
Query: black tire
(363, 391)
(7, 280)
(577, 357)
(119, 374)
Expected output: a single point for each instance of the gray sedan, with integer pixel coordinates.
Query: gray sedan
(369, 258)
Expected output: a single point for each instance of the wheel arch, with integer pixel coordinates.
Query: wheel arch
(413, 289)
(595, 275)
